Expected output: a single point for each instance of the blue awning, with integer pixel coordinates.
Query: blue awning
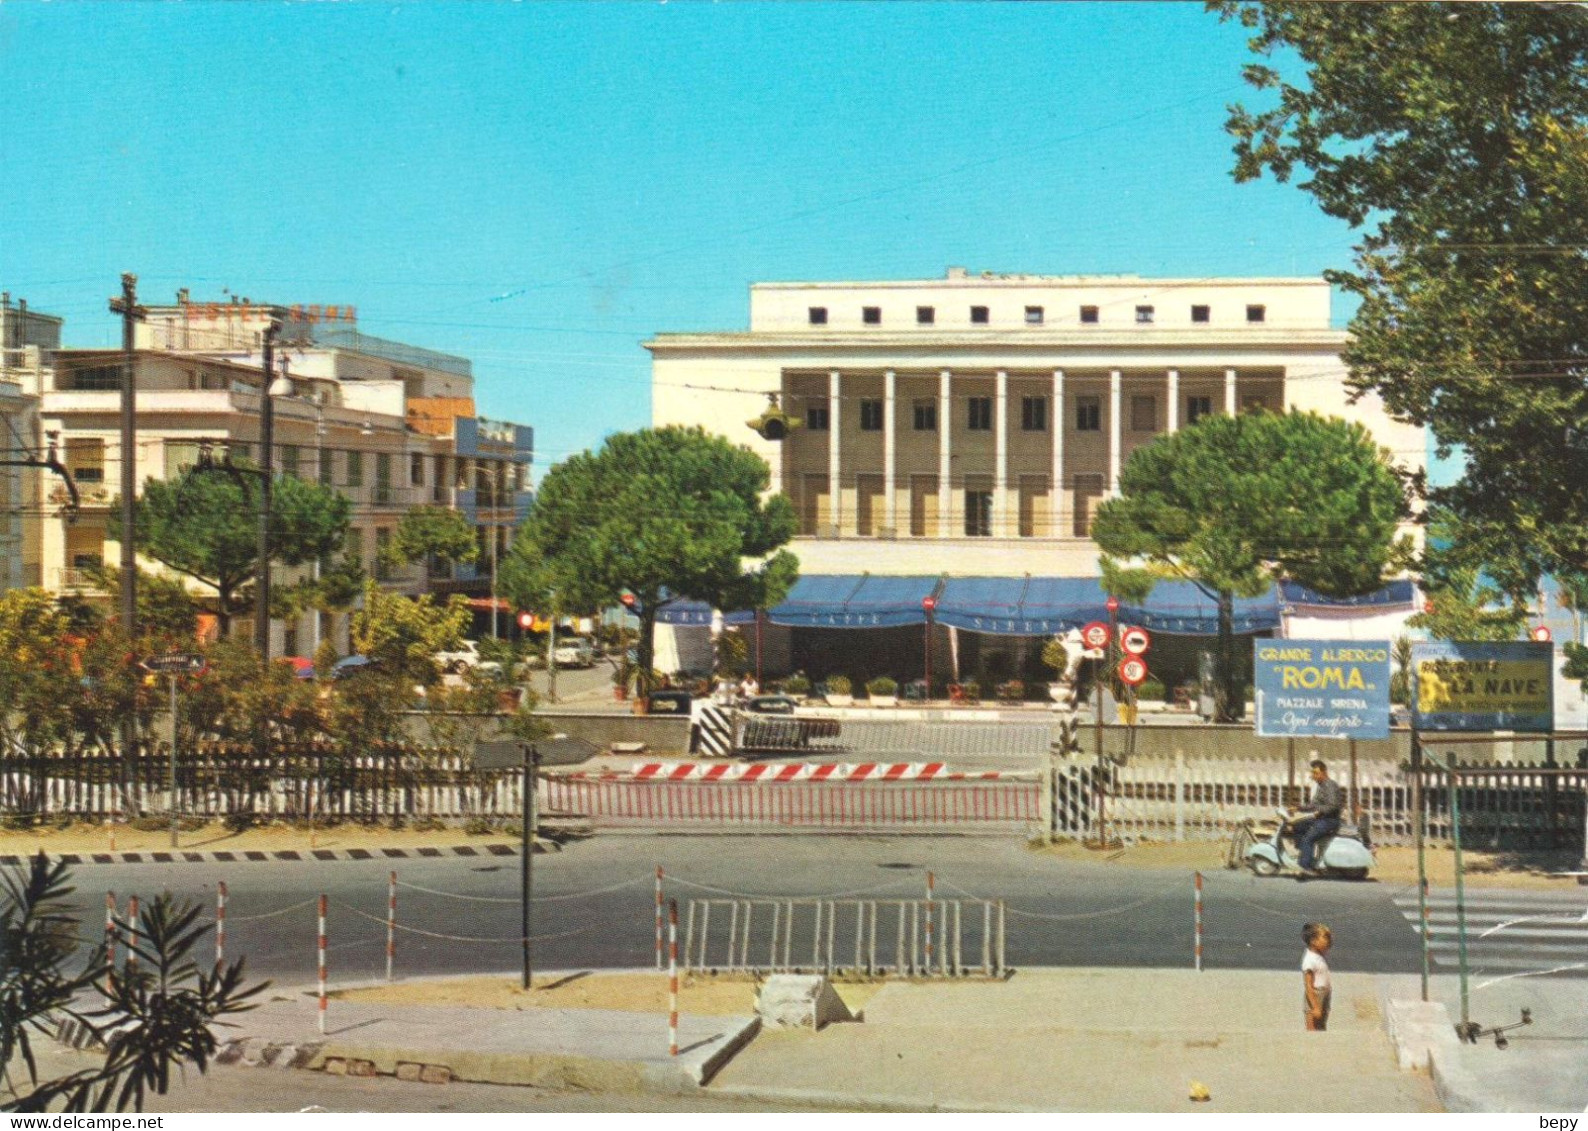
(854, 601)
(1021, 606)
(1180, 607)
(687, 611)
(1395, 593)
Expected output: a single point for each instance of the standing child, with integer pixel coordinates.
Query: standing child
(1315, 975)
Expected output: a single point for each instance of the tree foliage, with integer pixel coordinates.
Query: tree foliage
(1234, 503)
(665, 513)
(431, 531)
(403, 634)
(1455, 136)
(161, 1006)
(206, 526)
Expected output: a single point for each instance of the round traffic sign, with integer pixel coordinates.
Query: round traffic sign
(1112, 604)
(1095, 635)
(1134, 640)
(1542, 634)
(1133, 670)
(525, 620)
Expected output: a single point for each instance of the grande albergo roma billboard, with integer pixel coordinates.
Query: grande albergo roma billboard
(1322, 688)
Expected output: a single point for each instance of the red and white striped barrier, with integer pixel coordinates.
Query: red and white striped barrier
(322, 965)
(766, 772)
(220, 923)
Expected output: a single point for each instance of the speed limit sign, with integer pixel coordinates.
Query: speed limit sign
(1135, 640)
(1133, 670)
(1095, 635)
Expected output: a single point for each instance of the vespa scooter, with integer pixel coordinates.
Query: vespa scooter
(1347, 854)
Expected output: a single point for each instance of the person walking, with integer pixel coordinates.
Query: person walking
(1319, 818)
(1315, 983)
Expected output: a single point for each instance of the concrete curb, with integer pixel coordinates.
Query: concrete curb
(294, 855)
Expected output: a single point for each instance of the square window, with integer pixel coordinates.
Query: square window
(1201, 314)
(978, 513)
(871, 416)
(1144, 413)
(1257, 314)
(818, 315)
(871, 315)
(817, 418)
(1033, 316)
(925, 415)
(1143, 315)
(925, 315)
(1034, 414)
(1197, 407)
(979, 316)
(980, 414)
(1088, 314)
(1088, 414)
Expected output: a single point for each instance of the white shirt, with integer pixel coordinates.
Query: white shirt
(1313, 961)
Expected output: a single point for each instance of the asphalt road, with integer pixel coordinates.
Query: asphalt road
(595, 906)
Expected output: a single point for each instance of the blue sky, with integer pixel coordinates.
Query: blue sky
(542, 186)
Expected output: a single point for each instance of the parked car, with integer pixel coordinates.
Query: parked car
(465, 657)
(574, 652)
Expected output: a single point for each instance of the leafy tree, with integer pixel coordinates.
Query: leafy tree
(159, 1012)
(36, 669)
(1455, 138)
(336, 589)
(240, 698)
(429, 531)
(403, 634)
(664, 513)
(1233, 503)
(167, 613)
(206, 526)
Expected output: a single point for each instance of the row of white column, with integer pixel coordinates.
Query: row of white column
(945, 430)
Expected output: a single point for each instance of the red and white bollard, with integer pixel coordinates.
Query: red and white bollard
(658, 916)
(132, 932)
(672, 977)
(1199, 922)
(391, 924)
(322, 965)
(220, 924)
(110, 927)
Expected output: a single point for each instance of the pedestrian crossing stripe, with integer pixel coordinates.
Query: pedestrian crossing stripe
(1506, 932)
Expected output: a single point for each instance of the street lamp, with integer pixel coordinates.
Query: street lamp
(270, 385)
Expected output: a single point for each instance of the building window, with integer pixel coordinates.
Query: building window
(871, 315)
(383, 491)
(979, 316)
(289, 460)
(355, 469)
(1257, 314)
(1201, 314)
(1144, 413)
(925, 315)
(1143, 315)
(416, 470)
(85, 459)
(101, 378)
(1197, 407)
(818, 315)
(1088, 492)
(817, 418)
(978, 513)
(383, 569)
(240, 452)
(325, 466)
(1088, 314)
(1034, 414)
(1088, 414)
(925, 415)
(980, 414)
(1033, 316)
(870, 416)
(1254, 404)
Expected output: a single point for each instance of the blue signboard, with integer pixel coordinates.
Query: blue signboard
(1458, 686)
(1322, 688)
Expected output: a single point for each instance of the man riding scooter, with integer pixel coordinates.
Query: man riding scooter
(1319, 818)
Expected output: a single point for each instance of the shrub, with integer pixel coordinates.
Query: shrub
(797, 684)
(970, 689)
(240, 822)
(882, 685)
(838, 685)
(1012, 691)
(1151, 689)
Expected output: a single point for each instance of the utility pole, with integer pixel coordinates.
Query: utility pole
(267, 429)
(131, 313)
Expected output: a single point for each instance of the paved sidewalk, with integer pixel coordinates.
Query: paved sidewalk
(1045, 1040)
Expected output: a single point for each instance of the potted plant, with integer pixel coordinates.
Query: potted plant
(797, 685)
(838, 691)
(622, 674)
(1012, 691)
(883, 691)
(970, 691)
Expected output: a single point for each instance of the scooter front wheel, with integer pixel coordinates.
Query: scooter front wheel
(1262, 866)
(1351, 873)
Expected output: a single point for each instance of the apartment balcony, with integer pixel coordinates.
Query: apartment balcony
(80, 581)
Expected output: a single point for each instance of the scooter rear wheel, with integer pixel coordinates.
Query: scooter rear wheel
(1263, 866)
